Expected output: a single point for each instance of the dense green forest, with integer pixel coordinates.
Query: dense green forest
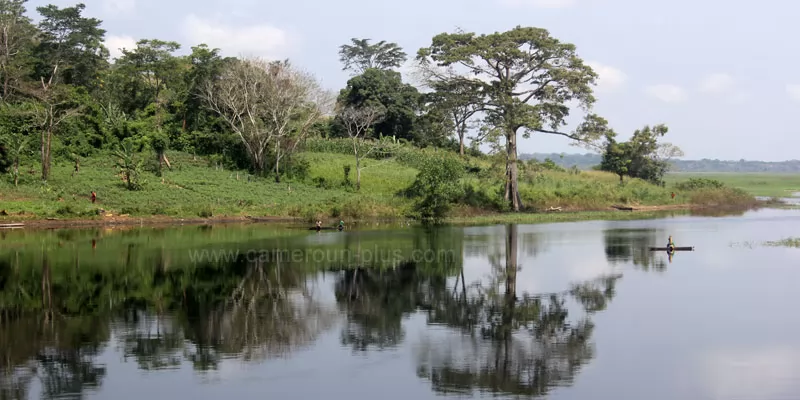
(74, 121)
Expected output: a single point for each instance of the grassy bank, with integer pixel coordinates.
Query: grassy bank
(196, 189)
(757, 184)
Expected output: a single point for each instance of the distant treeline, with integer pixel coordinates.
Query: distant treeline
(589, 160)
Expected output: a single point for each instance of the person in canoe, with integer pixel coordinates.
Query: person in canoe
(341, 225)
(670, 244)
(319, 226)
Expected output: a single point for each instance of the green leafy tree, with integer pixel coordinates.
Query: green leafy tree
(361, 55)
(129, 164)
(640, 157)
(649, 158)
(458, 100)
(71, 48)
(616, 157)
(17, 147)
(17, 34)
(524, 78)
(148, 75)
(70, 54)
(385, 89)
(437, 186)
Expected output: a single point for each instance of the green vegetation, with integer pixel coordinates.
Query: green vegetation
(588, 161)
(201, 136)
(788, 242)
(757, 184)
(640, 157)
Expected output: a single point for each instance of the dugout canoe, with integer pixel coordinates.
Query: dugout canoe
(686, 248)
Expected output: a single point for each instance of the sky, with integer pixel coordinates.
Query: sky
(721, 74)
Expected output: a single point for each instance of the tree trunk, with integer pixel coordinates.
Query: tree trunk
(461, 139)
(358, 173)
(620, 179)
(16, 170)
(277, 161)
(512, 187)
(511, 261)
(45, 153)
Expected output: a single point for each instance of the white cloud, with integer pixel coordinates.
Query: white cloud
(667, 93)
(793, 91)
(538, 3)
(609, 78)
(116, 43)
(723, 84)
(718, 83)
(259, 40)
(114, 7)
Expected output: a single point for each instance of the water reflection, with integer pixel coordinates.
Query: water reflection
(633, 246)
(507, 342)
(148, 297)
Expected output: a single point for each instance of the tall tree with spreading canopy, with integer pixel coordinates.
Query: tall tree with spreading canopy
(267, 104)
(459, 101)
(524, 78)
(361, 55)
(70, 54)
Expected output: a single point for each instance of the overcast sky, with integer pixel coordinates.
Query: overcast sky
(723, 75)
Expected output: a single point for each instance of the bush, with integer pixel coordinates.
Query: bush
(699, 183)
(437, 186)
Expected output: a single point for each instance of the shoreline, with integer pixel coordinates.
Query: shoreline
(477, 217)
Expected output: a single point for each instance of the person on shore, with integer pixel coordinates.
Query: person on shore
(673, 195)
(94, 196)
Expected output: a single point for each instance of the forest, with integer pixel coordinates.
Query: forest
(184, 130)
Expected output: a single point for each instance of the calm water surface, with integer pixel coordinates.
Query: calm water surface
(559, 311)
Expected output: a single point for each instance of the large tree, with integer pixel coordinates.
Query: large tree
(361, 55)
(459, 100)
(17, 35)
(143, 75)
(70, 54)
(524, 78)
(269, 105)
(385, 89)
(642, 156)
(71, 47)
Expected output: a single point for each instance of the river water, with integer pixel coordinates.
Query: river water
(559, 311)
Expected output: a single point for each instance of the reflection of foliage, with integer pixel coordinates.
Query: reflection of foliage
(60, 354)
(525, 345)
(248, 309)
(376, 302)
(633, 245)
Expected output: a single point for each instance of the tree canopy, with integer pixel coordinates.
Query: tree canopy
(523, 79)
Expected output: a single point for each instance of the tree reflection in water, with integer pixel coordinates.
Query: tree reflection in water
(162, 317)
(633, 246)
(509, 343)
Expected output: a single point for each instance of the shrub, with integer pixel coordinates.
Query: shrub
(437, 186)
(699, 183)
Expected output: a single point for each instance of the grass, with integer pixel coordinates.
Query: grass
(757, 184)
(789, 242)
(194, 189)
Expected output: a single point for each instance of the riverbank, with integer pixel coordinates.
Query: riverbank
(472, 217)
(197, 191)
